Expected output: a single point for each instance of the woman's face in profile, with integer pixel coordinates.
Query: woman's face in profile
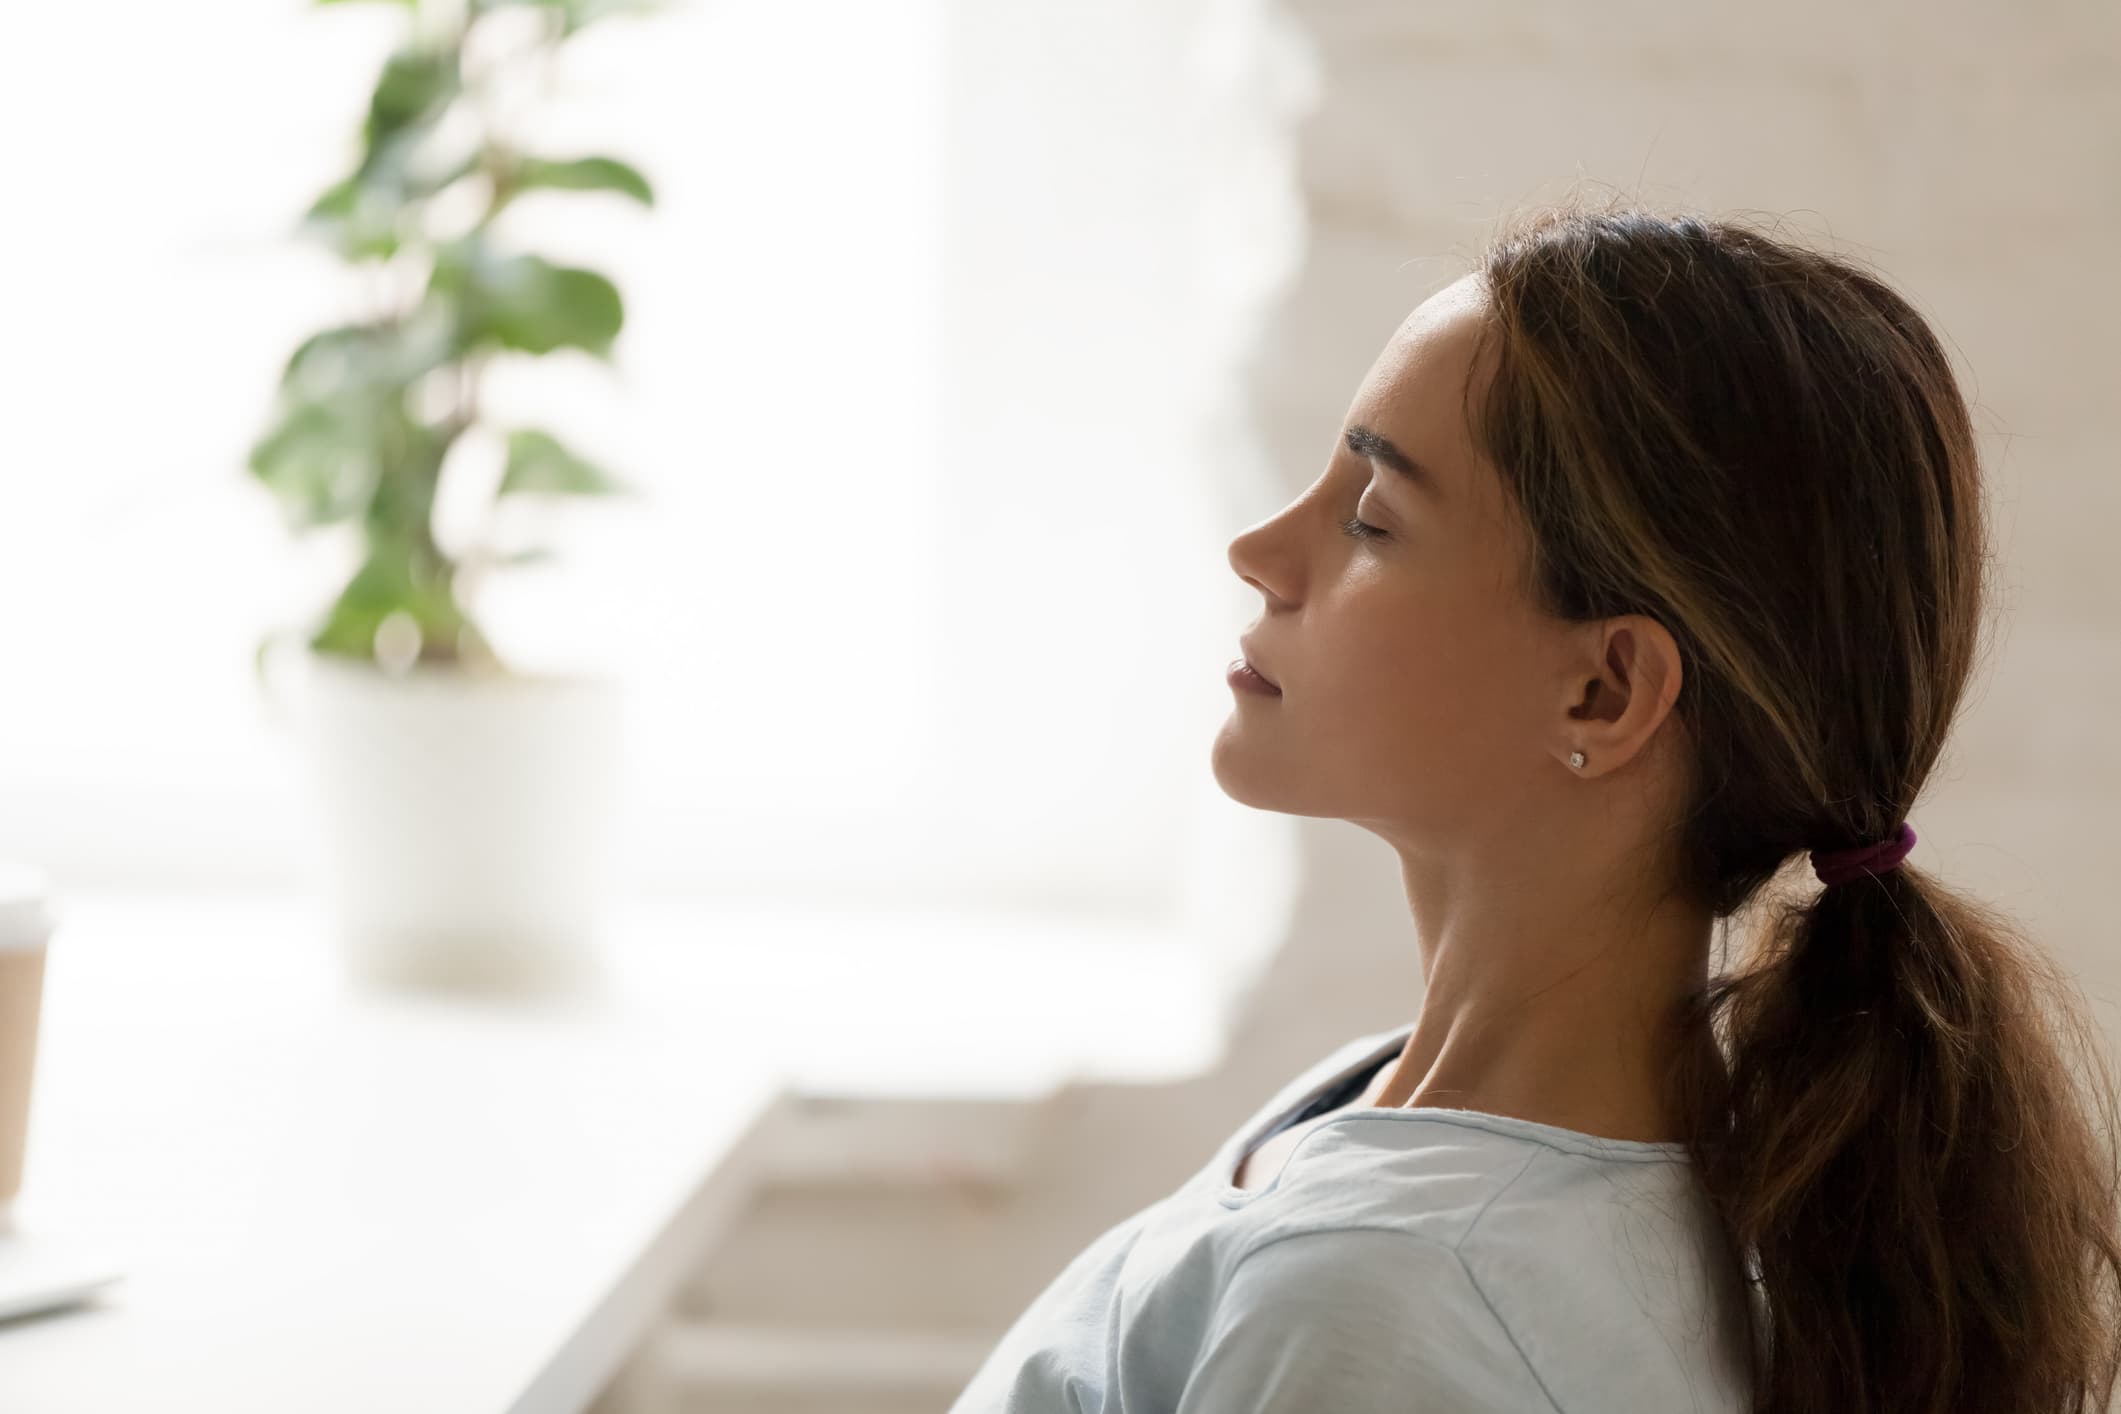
(1418, 689)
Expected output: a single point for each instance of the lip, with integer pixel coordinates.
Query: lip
(1253, 663)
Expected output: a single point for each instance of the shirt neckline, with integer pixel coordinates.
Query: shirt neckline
(1552, 1136)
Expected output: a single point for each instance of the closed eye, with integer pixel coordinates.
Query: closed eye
(1361, 530)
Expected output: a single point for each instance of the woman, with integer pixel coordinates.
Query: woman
(1651, 557)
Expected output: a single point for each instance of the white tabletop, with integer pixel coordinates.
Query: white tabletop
(327, 1197)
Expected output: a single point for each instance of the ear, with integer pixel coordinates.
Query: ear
(1619, 694)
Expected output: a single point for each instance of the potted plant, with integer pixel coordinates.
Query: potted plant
(463, 805)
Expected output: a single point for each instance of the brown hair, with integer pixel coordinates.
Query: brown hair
(1764, 448)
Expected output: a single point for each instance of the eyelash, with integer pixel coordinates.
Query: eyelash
(1360, 529)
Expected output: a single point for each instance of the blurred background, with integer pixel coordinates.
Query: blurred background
(901, 329)
(849, 404)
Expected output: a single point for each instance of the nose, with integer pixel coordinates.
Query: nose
(1248, 558)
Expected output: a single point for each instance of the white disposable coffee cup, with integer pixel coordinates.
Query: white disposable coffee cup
(27, 922)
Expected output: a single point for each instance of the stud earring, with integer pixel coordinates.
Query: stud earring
(1576, 759)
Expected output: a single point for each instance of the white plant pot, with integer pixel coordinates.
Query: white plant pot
(462, 824)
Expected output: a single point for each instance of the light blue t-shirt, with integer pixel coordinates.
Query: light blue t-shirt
(1422, 1261)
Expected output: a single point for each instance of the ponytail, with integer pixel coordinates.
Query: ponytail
(1901, 1151)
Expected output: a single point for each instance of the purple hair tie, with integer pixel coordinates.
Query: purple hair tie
(1840, 866)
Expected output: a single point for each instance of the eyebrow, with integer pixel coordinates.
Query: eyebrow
(1366, 443)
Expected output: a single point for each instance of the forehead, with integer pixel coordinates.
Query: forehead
(1414, 392)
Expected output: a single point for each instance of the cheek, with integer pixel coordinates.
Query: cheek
(1429, 689)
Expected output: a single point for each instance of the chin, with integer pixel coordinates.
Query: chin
(1248, 778)
(1236, 770)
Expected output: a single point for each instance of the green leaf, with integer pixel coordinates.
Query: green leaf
(357, 453)
(319, 462)
(526, 302)
(357, 219)
(367, 214)
(584, 174)
(415, 86)
(323, 361)
(538, 463)
(378, 359)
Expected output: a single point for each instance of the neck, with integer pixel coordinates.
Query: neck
(1557, 1015)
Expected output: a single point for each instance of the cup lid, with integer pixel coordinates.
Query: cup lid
(26, 919)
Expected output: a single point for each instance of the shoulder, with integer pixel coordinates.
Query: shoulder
(1356, 1319)
(1498, 1273)
(1616, 1279)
